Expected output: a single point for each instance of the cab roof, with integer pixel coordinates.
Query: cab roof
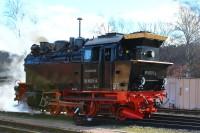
(136, 38)
(106, 39)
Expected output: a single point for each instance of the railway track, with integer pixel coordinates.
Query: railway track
(158, 120)
(16, 127)
(170, 121)
(179, 111)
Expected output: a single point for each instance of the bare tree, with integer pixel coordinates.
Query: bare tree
(15, 14)
(113, 25)
(101, 29)
(160, 28)
(193, 4)
(188, 28)
(188, 24)
(120, 25)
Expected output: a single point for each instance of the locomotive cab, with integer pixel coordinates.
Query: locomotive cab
(146, 72)
(124, 62)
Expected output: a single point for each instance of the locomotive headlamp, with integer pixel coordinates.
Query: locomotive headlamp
(142, 82)
(164, 81)
(157, 102)
(16, 87)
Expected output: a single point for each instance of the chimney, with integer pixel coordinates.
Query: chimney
(79, 19)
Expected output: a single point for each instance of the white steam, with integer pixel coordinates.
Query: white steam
(14, 70)
(7, 93)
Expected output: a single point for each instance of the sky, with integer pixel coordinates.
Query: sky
(57, 19)
(63, 13)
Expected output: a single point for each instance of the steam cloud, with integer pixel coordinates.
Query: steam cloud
(11, 67)
(14, 71)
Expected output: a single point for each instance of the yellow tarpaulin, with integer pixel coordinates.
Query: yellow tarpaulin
(145, 35)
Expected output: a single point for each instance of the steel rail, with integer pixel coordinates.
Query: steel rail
(13, 126)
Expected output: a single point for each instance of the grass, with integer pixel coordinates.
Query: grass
(140, 129)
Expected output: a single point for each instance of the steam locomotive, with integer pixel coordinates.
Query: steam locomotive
(115, 75)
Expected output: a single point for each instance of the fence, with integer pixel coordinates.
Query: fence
(183, 93)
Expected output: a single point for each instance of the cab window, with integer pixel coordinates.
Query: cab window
(87, 55)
